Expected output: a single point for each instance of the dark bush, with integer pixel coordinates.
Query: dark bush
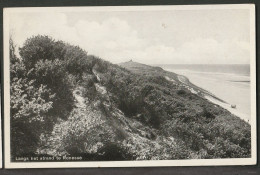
(207, 114)
(40, 48)
(181, 92)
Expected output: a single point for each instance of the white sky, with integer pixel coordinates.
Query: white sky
(152, 37)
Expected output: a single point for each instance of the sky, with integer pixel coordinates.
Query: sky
(216, 36)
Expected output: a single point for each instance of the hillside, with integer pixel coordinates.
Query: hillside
(129, 111)
(170, 76)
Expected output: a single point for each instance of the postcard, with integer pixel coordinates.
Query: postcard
(129, 86)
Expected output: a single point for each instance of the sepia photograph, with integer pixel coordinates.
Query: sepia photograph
(129, 86)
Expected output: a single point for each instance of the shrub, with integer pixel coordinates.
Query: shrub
(53, 74)
(30, 105)
(181, 92)
(40, 48)
(40, 90)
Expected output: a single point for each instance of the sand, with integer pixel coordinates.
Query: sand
(232, 88)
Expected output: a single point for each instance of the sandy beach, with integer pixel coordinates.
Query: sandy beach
(232, 88)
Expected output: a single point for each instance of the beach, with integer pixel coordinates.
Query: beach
(231, 87)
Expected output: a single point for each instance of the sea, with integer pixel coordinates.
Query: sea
(230, 83)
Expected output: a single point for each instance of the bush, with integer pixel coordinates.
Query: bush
(181, 92)
(53, 75)
(40, 48)
(41, 88)
(30, 105)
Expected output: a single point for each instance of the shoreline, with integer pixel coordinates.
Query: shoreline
(213, 98)
(228, 107)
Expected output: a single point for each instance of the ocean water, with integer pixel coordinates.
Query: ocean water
(230, 83)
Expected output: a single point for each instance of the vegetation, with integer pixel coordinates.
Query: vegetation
(66, 102)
